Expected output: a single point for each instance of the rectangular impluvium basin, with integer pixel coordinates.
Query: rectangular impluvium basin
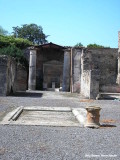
(46, 116)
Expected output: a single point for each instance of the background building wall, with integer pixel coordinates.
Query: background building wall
(49, 56)
(53, 72)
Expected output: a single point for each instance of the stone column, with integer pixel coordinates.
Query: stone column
(66, 71)
(119, 58)
(32, 70)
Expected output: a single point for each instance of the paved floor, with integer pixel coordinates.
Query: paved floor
(60, 143)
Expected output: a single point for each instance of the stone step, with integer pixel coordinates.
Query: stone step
(108, 95)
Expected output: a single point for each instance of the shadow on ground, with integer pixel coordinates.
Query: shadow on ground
(109, 97)
(107, 126)
(26, 94)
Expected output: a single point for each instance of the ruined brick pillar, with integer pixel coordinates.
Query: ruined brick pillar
(119, 58)
(32, 70)
(66, 71)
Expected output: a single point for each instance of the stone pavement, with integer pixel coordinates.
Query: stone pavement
(21, 142)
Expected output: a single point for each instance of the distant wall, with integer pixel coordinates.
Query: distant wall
(53, 72)
(45, 56)
(105, 60)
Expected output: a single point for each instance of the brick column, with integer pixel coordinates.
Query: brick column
(32, 70)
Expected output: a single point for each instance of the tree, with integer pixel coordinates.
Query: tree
(79, 45)
(96, 46)
(32, 32)
(3, 31)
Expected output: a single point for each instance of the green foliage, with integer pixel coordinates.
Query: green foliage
(79, 45)
(32, 32)
(3, 31)
(96, 46)
(10, 40)
(14, 47)
(15, 52)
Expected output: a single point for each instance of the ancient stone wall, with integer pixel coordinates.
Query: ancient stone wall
(99, 69)
(7, 75)
(3, 73)
(21, 78)
(94, 83)
(12, 77)
(105, 60)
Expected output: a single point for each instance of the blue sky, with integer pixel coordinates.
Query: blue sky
(66, 21)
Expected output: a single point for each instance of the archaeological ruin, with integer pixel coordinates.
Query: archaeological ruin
(88, 71)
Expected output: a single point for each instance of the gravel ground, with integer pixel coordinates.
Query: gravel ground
(60, 143)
